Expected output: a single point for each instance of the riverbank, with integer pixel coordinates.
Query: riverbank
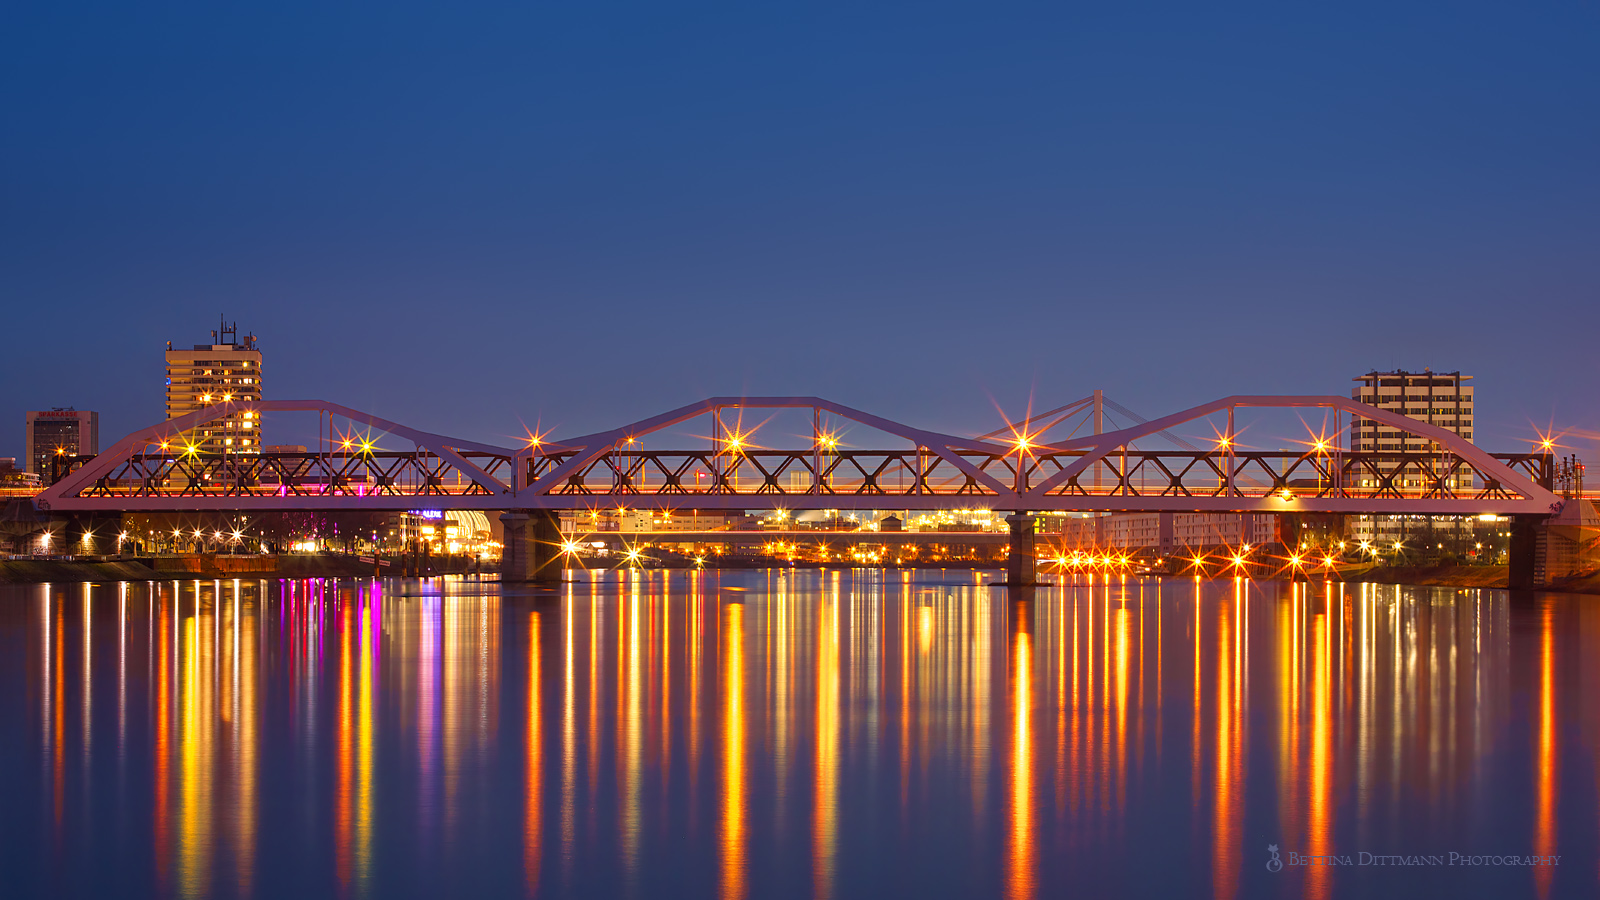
(1462, 577)
(1436, 576)
(168, 568)
(209, 565)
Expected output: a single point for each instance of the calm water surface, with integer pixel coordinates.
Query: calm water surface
(792, 734)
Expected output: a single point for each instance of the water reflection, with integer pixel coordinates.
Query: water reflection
(533, 765)
(732, 831)
(1020, 865)
(825, 802)
(822, 734)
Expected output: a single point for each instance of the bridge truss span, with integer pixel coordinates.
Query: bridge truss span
(826, 462)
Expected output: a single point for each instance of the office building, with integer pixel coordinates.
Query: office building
(225, 370)
(1160, 533)
(62, 431)
(1441, 399)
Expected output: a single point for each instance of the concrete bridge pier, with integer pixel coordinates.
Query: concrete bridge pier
(1547, 549)
(1523, 555)
(1020, 565)
(532, 546)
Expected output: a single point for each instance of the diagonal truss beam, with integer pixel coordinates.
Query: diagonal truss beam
(123, 451)
(948, 470)
(590, 448)
(1098, 446)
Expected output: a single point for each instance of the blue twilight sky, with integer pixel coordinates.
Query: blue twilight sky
(463, 216)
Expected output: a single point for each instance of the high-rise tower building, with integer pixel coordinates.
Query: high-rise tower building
(62, 431)
(1441, 399)
(227, 369)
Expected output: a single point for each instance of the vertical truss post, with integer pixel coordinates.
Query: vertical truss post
(816, 450)
(1228, 455)
(1099, 428)
(1336, 474)
(718, 446)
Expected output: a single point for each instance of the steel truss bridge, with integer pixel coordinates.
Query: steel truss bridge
(1017, 468)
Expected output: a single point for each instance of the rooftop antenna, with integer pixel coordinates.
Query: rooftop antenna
(229, 332)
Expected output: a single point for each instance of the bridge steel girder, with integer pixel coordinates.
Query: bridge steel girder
(548, 475)
(590, 448)
(66, 495)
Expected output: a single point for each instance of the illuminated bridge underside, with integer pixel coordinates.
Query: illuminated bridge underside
(1099, 472)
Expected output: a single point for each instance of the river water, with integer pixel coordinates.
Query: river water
(839, 734)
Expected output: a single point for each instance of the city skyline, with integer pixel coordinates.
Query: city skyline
(1568, 439)
(615, 213)
(794, 451)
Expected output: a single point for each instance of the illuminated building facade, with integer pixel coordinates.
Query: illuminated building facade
(462, 531)
(227, 369)
(1441, 399)
(583, 521)
(62, 431)
(1161, 533)
(13, 478)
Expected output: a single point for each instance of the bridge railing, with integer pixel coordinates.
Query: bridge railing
(1445, 474)
(295, 474)
(910, 474)
(765, 473)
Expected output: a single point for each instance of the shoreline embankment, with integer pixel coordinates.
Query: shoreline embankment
(213, 565)
(168, 568)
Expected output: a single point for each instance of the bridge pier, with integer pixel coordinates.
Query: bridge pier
(1020, 566)
(1523, 555)
(532, 545)
(1546, 549)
